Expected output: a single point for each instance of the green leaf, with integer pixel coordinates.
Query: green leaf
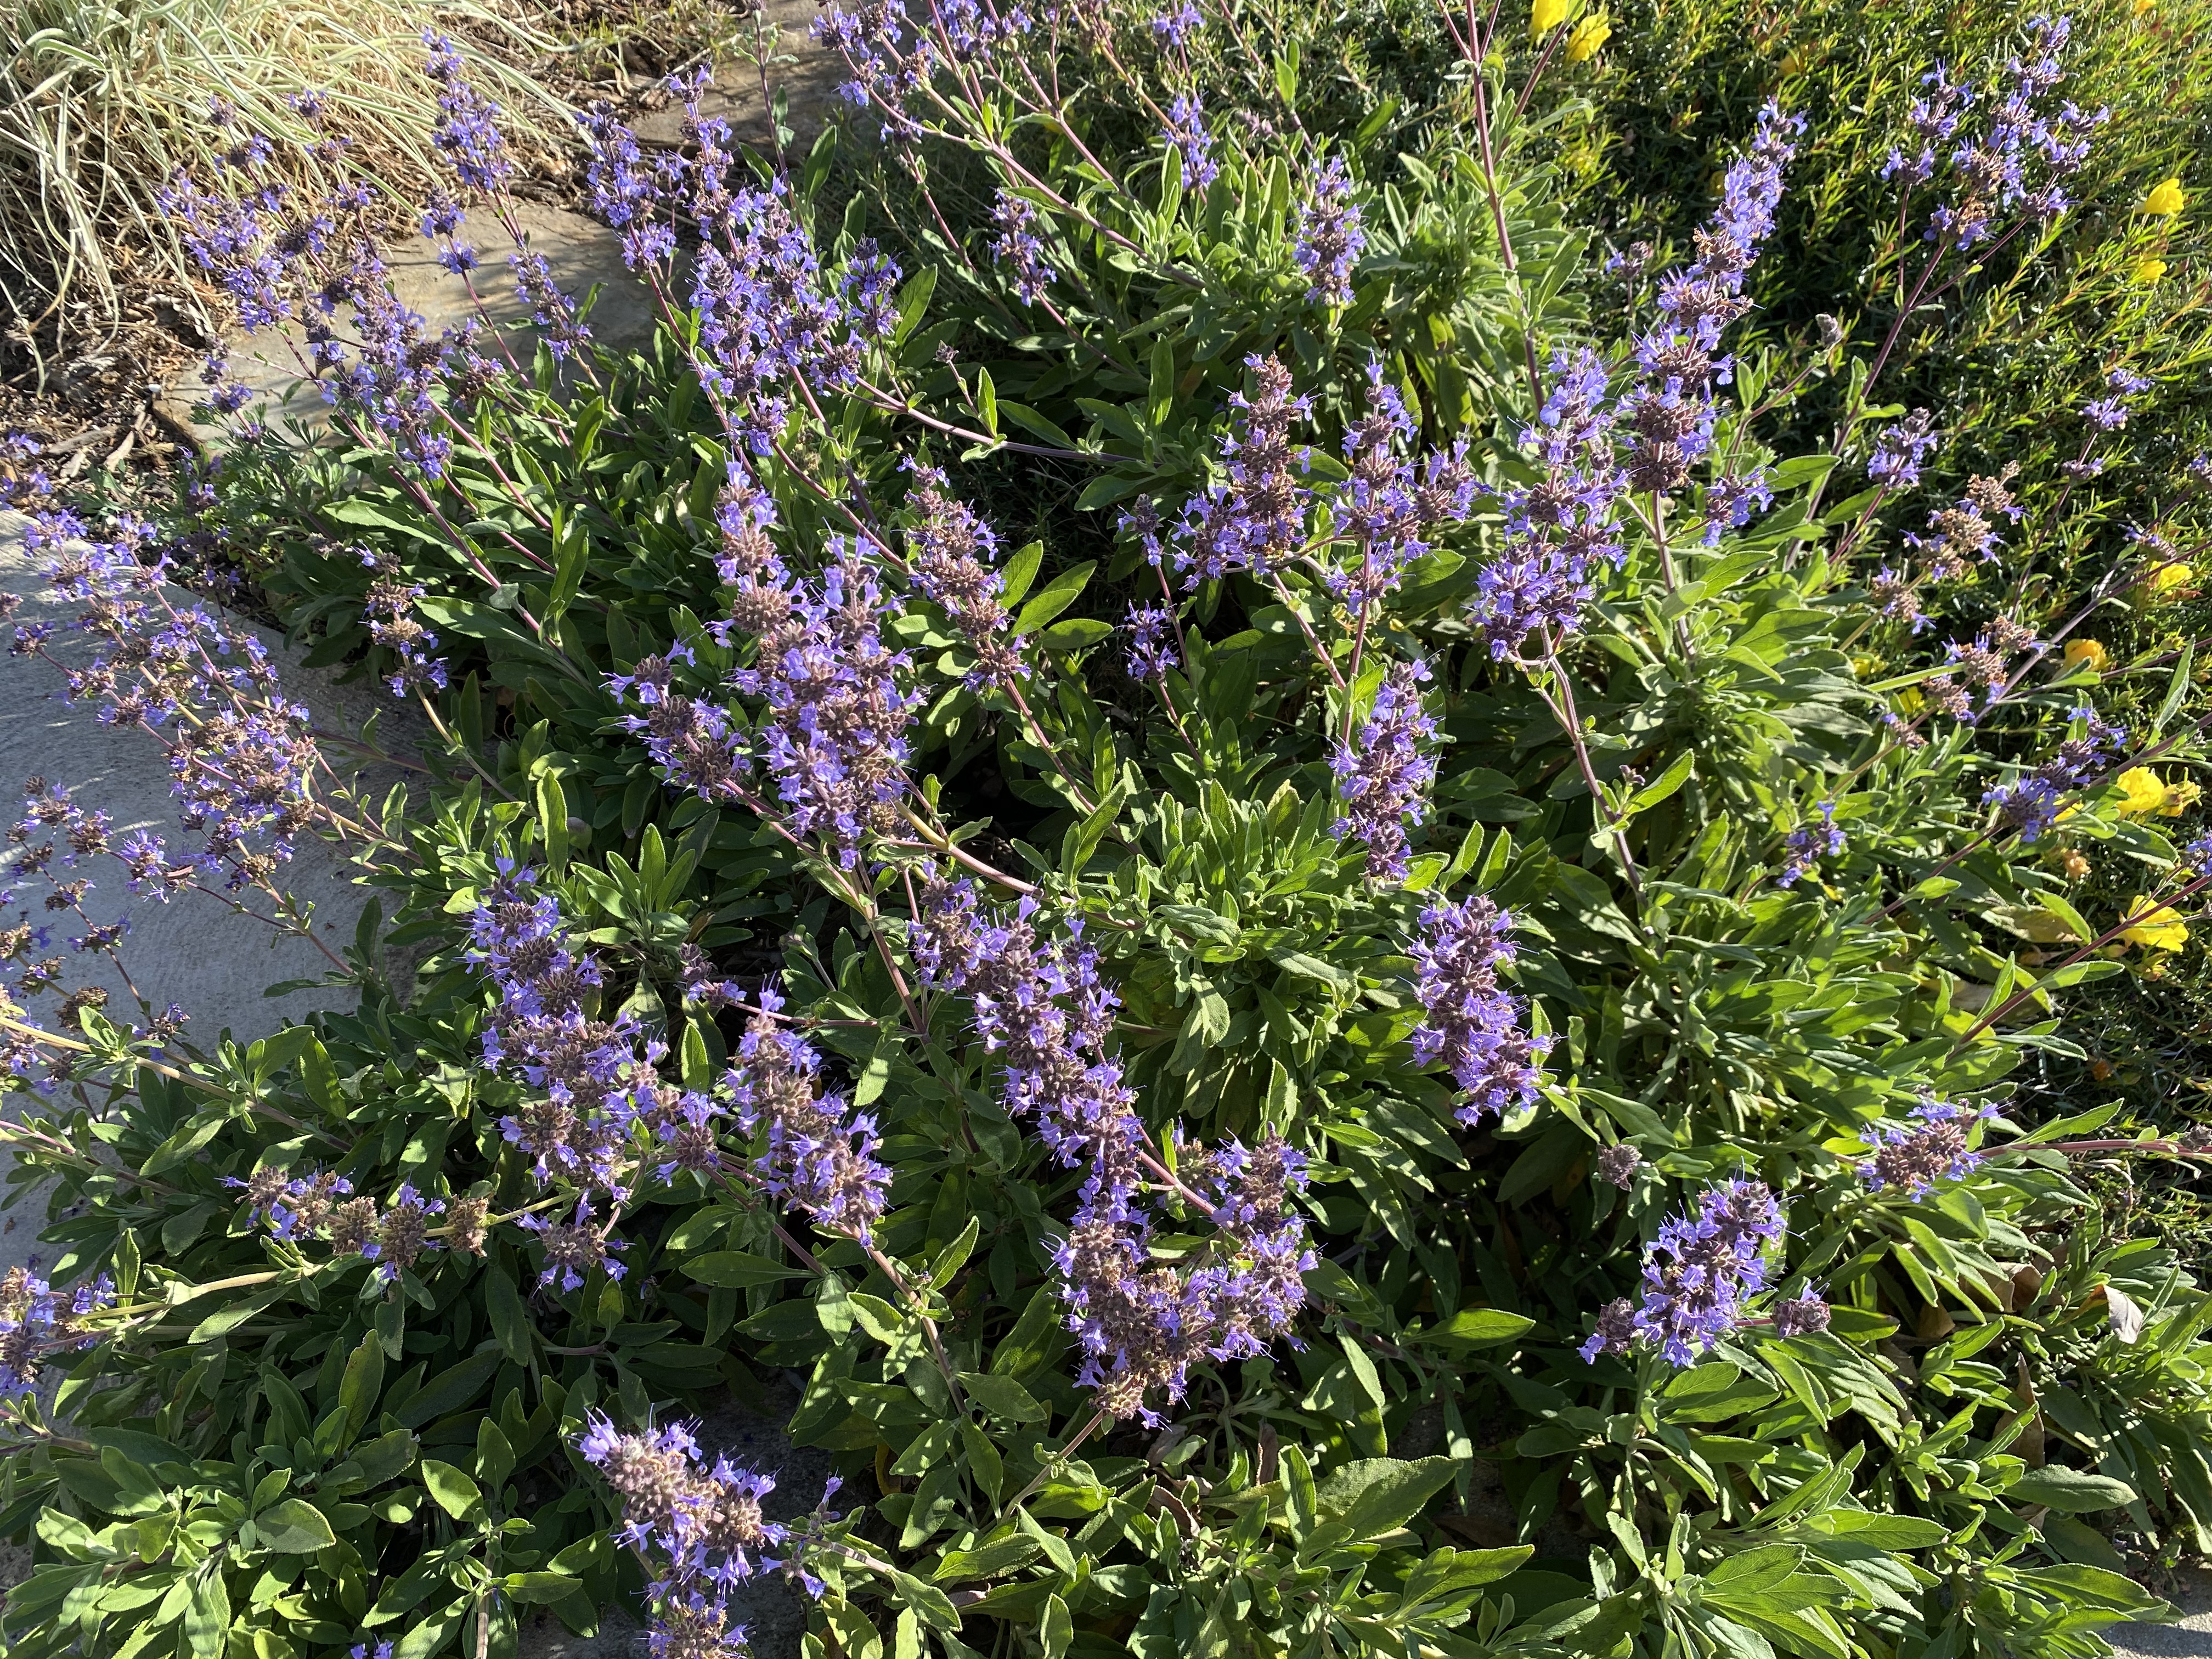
(1002, 1397)
(455, 1493)
(986, 401)
(955, 1256)
(451, 1390)
(207, 1614)
(1480, 1327)
(1020, 571)
(2072, 1492)
(362, 1384)
(1075, 632)
(1055, 1628)
(553, 821)
(1378, 1495)
(539, 1587)
(739, 1270)
(510, 1318)
(294, 1527)
(2177, 688)
(1055, 597)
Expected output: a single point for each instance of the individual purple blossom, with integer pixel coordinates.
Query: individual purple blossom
(1470, 1022)
(1330, 237)
(1186, 132)
(1698, 1276)
(1930, 1146)
(1382, 775)
(1804, 846)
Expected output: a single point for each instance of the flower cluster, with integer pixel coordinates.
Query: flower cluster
(389, 608)
(1017, 246)
(1804, 846)
(37, 1321)
(322, 1203)
(242, 757)
(1470, 1023)
(1699, 1276)
(949, 551)
(2032, 803)
(579, 1067)
(821, 1153)
(1391, 502)
(702, 1518)
(1255, 519)
(2024, 155)
(1186, 134)
(1381, 777)
(1930, 1146)
(838, 704)
(1330, 237)
(1042, 1007)
(1901, 448)
(1558, 528)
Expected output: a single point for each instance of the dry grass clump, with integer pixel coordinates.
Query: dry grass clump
(101, 100)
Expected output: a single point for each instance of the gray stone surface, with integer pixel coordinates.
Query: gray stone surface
(192, 951)
(806, 73)
(2189, 1589)
(271, 363)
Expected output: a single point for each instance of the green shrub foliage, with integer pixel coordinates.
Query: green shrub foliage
(1333, 967)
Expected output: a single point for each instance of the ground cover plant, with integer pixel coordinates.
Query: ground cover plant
(2005, 363)
(1409, 947)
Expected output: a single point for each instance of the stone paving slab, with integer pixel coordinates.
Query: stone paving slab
(2190, 1637)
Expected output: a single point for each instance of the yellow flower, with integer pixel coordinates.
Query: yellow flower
(1793, 62)
(1589, 34)
(2092, 652)
(2155, 928)
(1911, 701)
(2165, 200)
(2146, 272)
(2180, 796)
(2144, 8)
(2141, 791)
(2167, 580)
(1545, 16)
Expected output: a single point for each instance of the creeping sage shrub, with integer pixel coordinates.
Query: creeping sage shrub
(1379, 1040)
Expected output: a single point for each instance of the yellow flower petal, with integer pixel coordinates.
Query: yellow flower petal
(2155, 928)
(1589, 34)
(2141, 791)
(2180, 796)
(1545, 16)
(2166, 581)
(2147, 272)
(2092, 652)
(2165, 200)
